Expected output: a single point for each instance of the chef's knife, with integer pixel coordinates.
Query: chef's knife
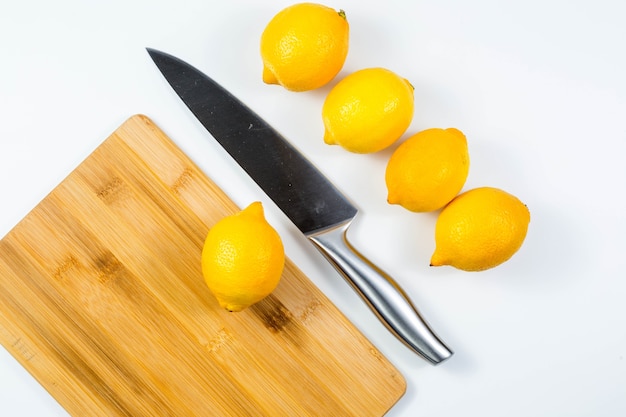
(312, 203)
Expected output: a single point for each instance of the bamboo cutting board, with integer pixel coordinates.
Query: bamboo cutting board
(102, 300)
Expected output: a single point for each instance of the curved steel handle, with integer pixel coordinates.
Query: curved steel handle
(383, 295)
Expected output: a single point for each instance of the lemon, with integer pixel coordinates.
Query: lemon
(427, 170)
(304, 46)
(242, 258)
(368, 110)
(480, 229)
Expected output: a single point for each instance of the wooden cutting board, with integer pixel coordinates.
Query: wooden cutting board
(102, 300)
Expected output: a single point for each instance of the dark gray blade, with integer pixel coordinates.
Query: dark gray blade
(292, 182)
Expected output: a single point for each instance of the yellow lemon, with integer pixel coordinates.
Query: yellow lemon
(480, 229)
(304, 46)
(242, 258)
(427, 170)
(368, 110)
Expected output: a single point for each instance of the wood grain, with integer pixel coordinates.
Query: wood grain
(102, 300)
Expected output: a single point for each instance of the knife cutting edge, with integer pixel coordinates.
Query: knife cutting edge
(308, 199)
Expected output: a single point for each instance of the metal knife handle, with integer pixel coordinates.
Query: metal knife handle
(383, 295)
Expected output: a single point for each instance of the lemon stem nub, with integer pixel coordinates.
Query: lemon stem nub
(436, 260)
(268, 76)
(342, 14)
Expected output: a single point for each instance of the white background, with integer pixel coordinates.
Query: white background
(539, 89)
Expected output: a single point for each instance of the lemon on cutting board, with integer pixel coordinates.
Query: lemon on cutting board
(304, 46)
(242, 258)
(368, 110)
(427, 170)
(480, 229)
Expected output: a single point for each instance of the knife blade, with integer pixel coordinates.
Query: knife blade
(307, 198)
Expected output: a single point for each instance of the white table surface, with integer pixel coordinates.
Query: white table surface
(539, 89)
